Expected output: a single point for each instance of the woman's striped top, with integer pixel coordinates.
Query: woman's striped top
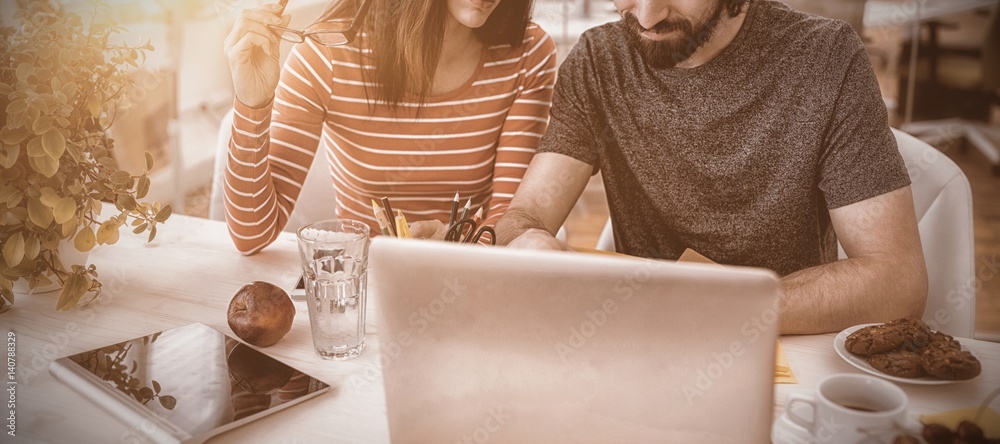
(476, 140)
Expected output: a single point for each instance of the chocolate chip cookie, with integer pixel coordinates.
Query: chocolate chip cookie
(939, 339)
(942, 361)
(906, 333)
(901, 363)
(916, 333)
(872, 340)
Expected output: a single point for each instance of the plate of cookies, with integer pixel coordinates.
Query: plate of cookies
(907, 350)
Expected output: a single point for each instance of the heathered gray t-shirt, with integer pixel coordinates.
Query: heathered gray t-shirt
(740, 158)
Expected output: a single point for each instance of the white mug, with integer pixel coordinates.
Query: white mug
(851, 408)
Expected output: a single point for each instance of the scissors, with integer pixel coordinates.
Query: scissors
(456, 230)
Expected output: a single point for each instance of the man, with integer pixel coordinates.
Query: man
(747, 131)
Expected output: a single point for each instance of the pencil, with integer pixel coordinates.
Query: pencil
(383, 222)
(454, 210)
(465, 212)
(401, 226)
(478, 218)
(388, 215)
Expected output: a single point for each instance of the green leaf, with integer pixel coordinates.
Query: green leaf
(85, 239)
(149, 161)
(120, 177)
(163, 214)
(9, 156)
(39, 213)
(142, 187)
(152, 233)
(32, 247)
(36, 148)
(54, 143)
(94, 105)
(13, 250)
(156, 386)
(7, 301)
(23, 71)
(168, 402)
(69, 89)
(73, 289)
(11, 136)
(64, 210)
(127, 202)
(42, 125)
(49, 197)
(17, 106)
(69, 227)
(140, 228)
(105, 231)
(6, 192)
(146, 393)
(45, 165)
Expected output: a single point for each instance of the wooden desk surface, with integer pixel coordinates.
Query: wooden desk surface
(190, 273)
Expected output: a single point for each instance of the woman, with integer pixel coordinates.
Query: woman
(430, 98)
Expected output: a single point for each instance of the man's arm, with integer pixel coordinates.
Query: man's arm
(550, 188)
(884, 277)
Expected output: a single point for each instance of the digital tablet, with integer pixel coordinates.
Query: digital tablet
(185, 384)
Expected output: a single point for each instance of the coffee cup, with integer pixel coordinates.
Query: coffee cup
(850, 408)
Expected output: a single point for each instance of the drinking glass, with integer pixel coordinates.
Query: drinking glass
(334, 256)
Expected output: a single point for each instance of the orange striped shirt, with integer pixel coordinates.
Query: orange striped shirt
(476, 140)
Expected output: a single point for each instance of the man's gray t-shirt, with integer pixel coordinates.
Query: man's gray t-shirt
(740, 158)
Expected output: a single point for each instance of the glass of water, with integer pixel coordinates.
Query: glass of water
(334, 257)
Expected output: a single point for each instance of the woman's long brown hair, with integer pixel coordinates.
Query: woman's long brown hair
(405, 38)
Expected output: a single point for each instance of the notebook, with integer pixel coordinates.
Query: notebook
(185, 384)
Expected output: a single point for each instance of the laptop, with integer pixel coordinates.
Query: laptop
(522, 346)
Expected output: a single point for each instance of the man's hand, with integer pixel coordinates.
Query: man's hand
(545, 197)
(538, 239)
(428, 229)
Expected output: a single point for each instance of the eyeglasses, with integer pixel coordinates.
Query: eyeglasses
(335, 32)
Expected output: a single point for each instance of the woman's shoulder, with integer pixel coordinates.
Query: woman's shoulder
(536, 38)
(536, 45)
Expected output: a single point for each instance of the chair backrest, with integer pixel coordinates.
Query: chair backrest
(942, 199)
(317, 200)
(991, 53)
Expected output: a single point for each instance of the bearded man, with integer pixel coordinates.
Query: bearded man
(750, 132)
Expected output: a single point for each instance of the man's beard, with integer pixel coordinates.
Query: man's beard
(664, 54)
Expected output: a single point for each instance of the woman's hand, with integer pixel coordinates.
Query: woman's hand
(253, 50)
(428, 229)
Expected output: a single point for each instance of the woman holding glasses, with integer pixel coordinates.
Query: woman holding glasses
(411, 99)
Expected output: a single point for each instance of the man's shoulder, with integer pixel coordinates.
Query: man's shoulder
(604, 37)
(602, 45)
(802, 33)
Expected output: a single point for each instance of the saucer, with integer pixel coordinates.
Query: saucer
(784, 431)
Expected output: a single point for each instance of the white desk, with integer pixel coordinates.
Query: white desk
(190, 273)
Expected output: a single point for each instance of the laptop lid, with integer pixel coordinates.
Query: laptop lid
(526, 346)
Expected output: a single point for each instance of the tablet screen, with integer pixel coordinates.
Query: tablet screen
(193, 377)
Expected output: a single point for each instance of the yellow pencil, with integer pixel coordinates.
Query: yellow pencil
(383, 221)
(402, 228)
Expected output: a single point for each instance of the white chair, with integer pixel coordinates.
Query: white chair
(942, 198)
(316, 201)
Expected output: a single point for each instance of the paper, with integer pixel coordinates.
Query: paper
(782, 371)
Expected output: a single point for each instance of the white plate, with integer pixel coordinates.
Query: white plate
(863, 365)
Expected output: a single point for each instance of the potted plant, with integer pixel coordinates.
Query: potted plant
(62, 80)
